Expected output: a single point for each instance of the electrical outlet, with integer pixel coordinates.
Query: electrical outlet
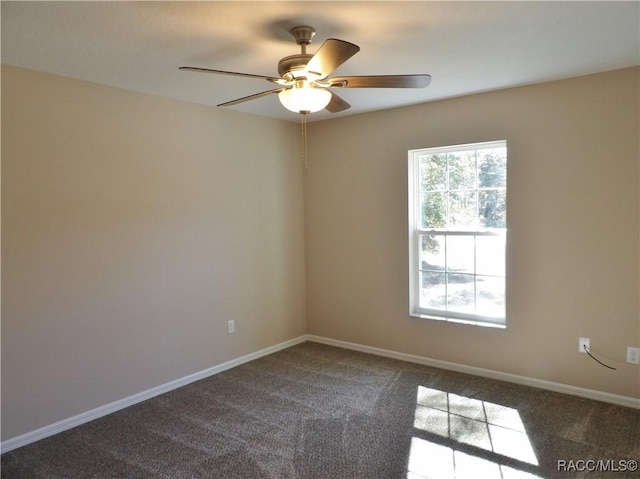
(231, 326)
(582, 342)
(633, 355)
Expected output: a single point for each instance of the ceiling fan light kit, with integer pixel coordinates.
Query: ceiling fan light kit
(304, 97)
(305, 86)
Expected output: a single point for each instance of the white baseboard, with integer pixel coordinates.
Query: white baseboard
(98, 412)
(485, 373)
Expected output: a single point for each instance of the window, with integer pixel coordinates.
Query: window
(458, 232)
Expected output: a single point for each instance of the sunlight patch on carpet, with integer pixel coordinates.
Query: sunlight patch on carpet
(471, 422)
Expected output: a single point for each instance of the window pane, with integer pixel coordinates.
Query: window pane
(492, 168)
(433, 291)
(493, 208)
(490, 296)
(433, 172)
(432, 252)
(462, 170)
(460, 254)
(462, 210)
(461, 293)
(490, 257)
(434, 210)
(458, 196)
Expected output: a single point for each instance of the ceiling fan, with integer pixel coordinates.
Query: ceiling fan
(304, 83)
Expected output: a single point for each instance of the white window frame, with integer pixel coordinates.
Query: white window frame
(415, 230)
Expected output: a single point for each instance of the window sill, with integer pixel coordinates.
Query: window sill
(459, 321)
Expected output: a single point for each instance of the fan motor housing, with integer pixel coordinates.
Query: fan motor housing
(292, 64)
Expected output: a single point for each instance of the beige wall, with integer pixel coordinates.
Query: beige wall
(573, 218)
(133, 228)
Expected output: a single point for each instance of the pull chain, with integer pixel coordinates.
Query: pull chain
(303, 118)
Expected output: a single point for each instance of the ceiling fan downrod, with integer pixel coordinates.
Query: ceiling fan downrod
(291, 67)
(303, 35)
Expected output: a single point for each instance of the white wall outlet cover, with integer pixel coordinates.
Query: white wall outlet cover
(582, 342)
(633, 355)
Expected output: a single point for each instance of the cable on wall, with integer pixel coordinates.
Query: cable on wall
(586, 350)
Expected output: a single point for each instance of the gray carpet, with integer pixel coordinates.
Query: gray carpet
(315, 411)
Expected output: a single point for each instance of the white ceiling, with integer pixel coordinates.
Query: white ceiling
(467, 47)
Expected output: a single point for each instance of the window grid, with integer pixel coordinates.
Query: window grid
(446, 269)
(480, 226)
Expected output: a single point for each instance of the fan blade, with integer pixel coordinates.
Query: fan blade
(331, 54)
(223, 72)
(381, 81)
(337, 104)
(251, 97)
